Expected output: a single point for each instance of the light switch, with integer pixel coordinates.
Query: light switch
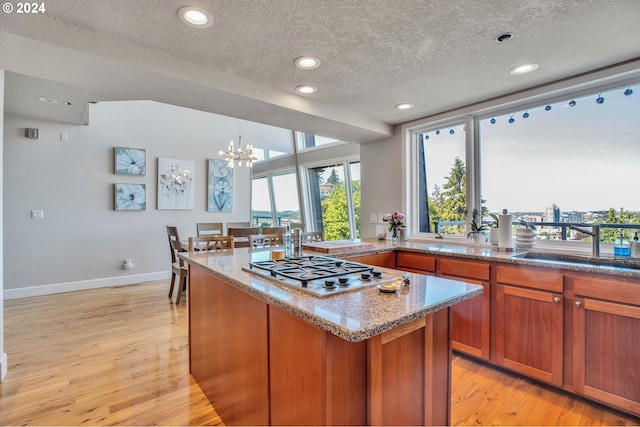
(373, 218)
(37, 214)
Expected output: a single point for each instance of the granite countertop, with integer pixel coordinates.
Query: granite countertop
(353, 316)
(629, 267)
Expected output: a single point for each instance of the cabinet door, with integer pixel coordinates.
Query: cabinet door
(384, 259)
(470, 322)
(606, 351)
(529, 332)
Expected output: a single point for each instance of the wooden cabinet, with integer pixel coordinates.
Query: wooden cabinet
(383, 259)
(606, 342)
(529, 322)
(416, 262)
(470, 319)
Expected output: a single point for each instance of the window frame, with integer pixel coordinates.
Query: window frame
(584, 85)
(269, 176)
(345, 163)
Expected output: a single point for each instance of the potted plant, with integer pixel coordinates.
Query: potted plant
(478, 229)
(525, 235)
(493, 230)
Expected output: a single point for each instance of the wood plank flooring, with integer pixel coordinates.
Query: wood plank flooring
(119, 356)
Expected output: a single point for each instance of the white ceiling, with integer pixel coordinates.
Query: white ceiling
(436, 54)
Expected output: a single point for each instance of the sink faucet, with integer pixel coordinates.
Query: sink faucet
(594, 233)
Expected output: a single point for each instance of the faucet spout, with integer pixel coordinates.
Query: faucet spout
(594, 233)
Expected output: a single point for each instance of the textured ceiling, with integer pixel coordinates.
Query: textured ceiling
(436, 54)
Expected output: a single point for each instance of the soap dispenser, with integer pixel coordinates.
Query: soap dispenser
(621, 247)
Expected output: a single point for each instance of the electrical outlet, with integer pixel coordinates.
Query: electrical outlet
(37, 214)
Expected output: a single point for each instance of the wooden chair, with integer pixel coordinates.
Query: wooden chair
(209, 229)
(274, 230)
(294, 225)
(241, 235)
(242, 224)
(178, 266)
(210, 243)
(266, 240)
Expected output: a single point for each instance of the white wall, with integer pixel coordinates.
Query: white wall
(3, 355)
(381, 178)
(82, 242)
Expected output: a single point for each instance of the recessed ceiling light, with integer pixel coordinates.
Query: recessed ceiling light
(404, 106)
(306, 89)
(523, 69)
(504, 37)
(307, 62)
(195, 17)
(48, 100)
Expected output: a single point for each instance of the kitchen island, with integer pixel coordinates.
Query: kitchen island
(267, 353)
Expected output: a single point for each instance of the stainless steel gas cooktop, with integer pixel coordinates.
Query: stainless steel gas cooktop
(319, 275)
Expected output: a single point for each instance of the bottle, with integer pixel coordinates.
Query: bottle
(621, 247)
(635, 246)
(288, 242)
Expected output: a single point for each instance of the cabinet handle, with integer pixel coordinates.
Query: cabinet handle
(556, 300)
(578, 303)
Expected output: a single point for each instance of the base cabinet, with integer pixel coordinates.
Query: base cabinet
(529, 329)
(606, 344)
(471, 319)
(260, 365)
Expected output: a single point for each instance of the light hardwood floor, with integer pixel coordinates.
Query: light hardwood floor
(119, 356)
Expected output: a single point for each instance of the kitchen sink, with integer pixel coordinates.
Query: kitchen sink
(566, 259)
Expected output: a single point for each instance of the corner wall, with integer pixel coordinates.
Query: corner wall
(381, 177)
(82, 242)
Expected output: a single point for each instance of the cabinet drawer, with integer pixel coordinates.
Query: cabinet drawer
(624, 291)
(531, 277)
(472, 269)
(416, 261)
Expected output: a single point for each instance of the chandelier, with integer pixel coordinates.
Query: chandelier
(240, 155)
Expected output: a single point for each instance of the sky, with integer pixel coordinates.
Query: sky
(582, 158)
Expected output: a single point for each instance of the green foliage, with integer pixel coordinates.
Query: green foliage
(624, 217)
(449, 202)
(335, 212)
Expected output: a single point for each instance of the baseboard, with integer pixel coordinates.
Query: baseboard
(57, 288)
(3, 366)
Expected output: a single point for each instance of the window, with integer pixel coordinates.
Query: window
(442, 180)
(571, 158)
(309, 140)
(334, 205)
(569, 161)
(274, 200)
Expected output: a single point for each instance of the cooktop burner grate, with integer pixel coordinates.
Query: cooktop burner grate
(319, 275)
(308, 268)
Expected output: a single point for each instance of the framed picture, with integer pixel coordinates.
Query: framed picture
(220, 187)
(175, 184)
(130, 197)
(130, 161)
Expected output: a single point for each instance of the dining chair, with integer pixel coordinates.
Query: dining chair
(210, 243)
(238, 225)
(266, 240)
(294, 225)
(274, 230)
(209, 229)
(178, 267)
(241, 235)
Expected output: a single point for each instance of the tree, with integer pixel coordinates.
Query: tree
(452, 205)
(335, 213)
(334, 178)
(625, 217)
